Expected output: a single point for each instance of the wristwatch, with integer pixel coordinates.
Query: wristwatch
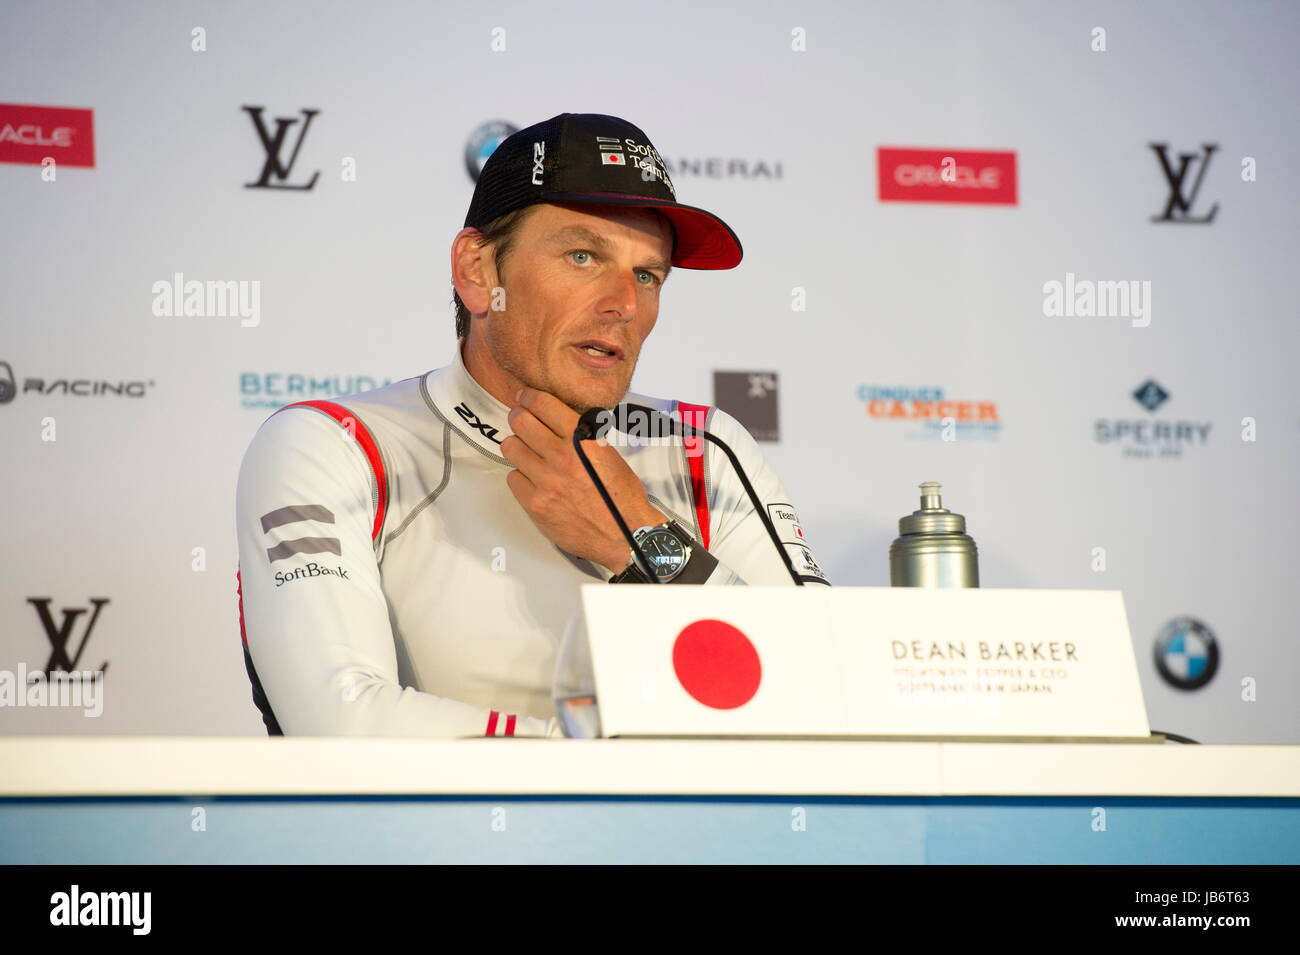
(673, 555)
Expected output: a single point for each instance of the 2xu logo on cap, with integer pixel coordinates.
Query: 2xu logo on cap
(946, 175)
(28, 134)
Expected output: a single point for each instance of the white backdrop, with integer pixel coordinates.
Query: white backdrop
(133, 499)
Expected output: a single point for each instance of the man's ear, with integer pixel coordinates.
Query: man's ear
(473, 271)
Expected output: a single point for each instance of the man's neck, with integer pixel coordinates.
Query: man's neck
(497, 382)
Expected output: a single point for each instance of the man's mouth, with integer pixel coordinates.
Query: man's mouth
(600, 349)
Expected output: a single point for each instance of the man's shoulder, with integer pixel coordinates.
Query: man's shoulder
(387, 403)
(397, 394)
(309, 425)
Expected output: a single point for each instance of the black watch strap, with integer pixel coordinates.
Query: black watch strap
(699, 566)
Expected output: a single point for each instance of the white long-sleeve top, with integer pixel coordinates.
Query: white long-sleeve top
(391, 585)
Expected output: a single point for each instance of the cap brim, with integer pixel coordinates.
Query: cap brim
(703, 240)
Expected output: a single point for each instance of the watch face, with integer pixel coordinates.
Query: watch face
(665, 553)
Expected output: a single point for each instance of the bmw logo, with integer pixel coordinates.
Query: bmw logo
(1187, 655)
(7, 387)
(483, 142)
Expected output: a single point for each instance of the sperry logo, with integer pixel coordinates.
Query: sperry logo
(471, 419)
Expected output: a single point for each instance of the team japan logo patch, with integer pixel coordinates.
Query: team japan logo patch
(611, 151)
(804, 563)
(786, 522)
(792, 538)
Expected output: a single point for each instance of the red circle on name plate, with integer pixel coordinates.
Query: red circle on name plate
(716, 664)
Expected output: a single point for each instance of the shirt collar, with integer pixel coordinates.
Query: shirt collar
(468, 408)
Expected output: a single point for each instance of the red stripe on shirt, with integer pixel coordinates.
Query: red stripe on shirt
(510, 725)
(239, 589)
(368, 445)
(492, 723)
(695, 461)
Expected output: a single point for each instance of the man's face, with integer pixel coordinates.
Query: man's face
(581, 282)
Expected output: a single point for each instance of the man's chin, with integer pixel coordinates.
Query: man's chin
(584, 402)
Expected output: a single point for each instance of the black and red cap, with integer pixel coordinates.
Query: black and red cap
(594, 158)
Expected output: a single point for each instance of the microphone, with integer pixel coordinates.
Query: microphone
(678, 427)
(585, 431)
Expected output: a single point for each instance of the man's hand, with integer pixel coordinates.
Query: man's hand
(550, 483)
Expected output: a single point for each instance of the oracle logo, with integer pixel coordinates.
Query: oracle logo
(29, 133)
(946, 175)
(962, 177)
(33, 136)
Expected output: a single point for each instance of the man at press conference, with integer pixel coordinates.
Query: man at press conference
(412, 556)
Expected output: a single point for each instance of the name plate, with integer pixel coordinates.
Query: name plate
(863, 662)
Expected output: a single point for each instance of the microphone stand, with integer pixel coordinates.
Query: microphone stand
(584, 432)
(691, 430)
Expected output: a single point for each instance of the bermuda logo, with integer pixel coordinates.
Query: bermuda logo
(273, 145)
(1178, 207)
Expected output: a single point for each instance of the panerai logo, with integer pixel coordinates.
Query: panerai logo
(102, 908)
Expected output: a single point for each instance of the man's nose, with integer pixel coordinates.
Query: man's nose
(621, 294)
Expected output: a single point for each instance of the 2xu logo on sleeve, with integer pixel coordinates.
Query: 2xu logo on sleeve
(312, 569)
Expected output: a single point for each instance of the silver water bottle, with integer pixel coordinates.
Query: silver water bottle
(933, 549)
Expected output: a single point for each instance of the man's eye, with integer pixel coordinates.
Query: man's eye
(654, 279)
(582, 252)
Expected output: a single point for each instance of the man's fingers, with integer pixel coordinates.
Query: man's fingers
(517, 451)
(550, 411)
(521, 488)
(534, 433)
